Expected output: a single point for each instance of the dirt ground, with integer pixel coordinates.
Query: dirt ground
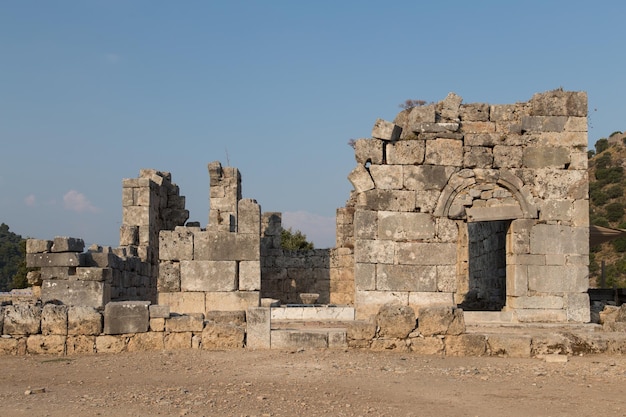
(308, 383)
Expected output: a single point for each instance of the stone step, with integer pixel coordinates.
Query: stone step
(312, 312)
(313, 338)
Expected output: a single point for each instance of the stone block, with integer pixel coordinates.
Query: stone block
(553, 302)
(405, 226)
(426, 177)
(258, 328)
(578, 308)
(237, 318)
(110, 344)
(86, 293)
(80, 344)
(249, 217)
(93, 274)
(368, 303)
(38, 344)
(193, 322)
(418, 300)
(478, 127)
(541, 316)
(435, 321)
(176, 245)
(157, 324)
(159, 311)
(361, 330)
(406, 278)
(558, 239)
(183, 302)
(22, 319)
(504, 212)
(176, 341)
(208, 276)
(558, 279)
(57, 272)
(559, 103)
(226, 246)
(387, 177)
(13, 346)
(41, 260)
(374, 251)
(427, 345)
(507, 156)
(68, 244)
(421, 114)
(476, 112)
(418, 253)
(365, 276)
(54, 320)
(477, 157)
(249, 276)
(216, 336)
(369, 150)
(121, 317)
(550, 343)
(389, 344)
(444, 152)
(142, 342)
(136, 215)
(390, 200)
(366, 224)
(295, 339)
(83, 320)
(232, 301)
(545, 157)
(38, 246)
(129, 235)
(406, 152)
(469, 344)
(395, 320)
(511, 346)
(169, 276)
(386, 130)
(361, 179)
(543, 123)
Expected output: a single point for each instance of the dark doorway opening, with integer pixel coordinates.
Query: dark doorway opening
(486, 266)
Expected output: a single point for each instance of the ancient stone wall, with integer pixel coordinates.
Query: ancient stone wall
(422, 179)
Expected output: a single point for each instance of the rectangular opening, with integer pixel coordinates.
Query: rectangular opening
(486, 285)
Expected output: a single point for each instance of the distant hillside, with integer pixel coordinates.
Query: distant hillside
(607, 203)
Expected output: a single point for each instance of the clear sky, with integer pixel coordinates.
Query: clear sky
(93, 91)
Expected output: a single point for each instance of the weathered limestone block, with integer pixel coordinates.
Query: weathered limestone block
(386, 130)
(183, 302)
(406, 152)
(80, 344)
(368, 303)
(558, 278)
(444, 152)
(249, 276)
(129, 235)
(86, 293)
(361, 179)
(387, 177)
(34, 278)
(142, 342)
(157, 324)
(439, 128)
(193, 322)
(258, 328)
(450, 107)
(111, 344)
(559, 103)
(38, 344)
(374, 251)
(578, 308)
(552, 302)
(366, 224)
(122, 317)
(93, 274)
(232, 301)
(360, 332)
(40, 260)
(67, 244)
(406, 278)
(557, 184)
(13, 346)
(369, 150)
(208, 275)
(395, 320)
(478, 127)
(54, 320)
(419, 253)
(237, 318)
(137, 216)
(511, 346)
(405, 226)
(38, 246)
(176, 245)
(558, 239)
(222, 336)
(466, 345)
(290, 339)
(434, 321)
(83, 320)
(365, 276)
(169, 276)
(159, 311)
(176, 341)
(22, 319)
(225, 246)
(545, 157)
(390, 200)
(427, 345)
(507, 156)
(420, 114)
(476, 112)
(381, 345)
(543, 123)
(477, 157)
(541, 316)
(249, 217)
(550, 343)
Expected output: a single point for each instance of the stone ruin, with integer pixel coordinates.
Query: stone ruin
(477, 212)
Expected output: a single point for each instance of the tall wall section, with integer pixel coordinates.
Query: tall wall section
(421, 180)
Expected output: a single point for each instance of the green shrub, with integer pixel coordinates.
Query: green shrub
(614, 212)
(600, 221)
(603, 161)
(614, 191)
(598, 197)
(602, 145)
(619, 244)
(610, 175)
(294, 240)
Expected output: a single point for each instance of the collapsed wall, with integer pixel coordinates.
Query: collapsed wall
(431, 187)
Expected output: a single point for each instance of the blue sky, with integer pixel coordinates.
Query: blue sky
(93, 91)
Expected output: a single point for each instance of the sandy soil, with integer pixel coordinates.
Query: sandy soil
(308, 383)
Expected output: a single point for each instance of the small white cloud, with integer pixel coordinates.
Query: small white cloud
(318, 229)
(75, 201)
(30, 200)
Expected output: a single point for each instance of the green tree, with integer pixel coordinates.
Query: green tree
(12, 259)
(291, 240)
(602, 145)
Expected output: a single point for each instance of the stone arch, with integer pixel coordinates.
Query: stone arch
(472, 178)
